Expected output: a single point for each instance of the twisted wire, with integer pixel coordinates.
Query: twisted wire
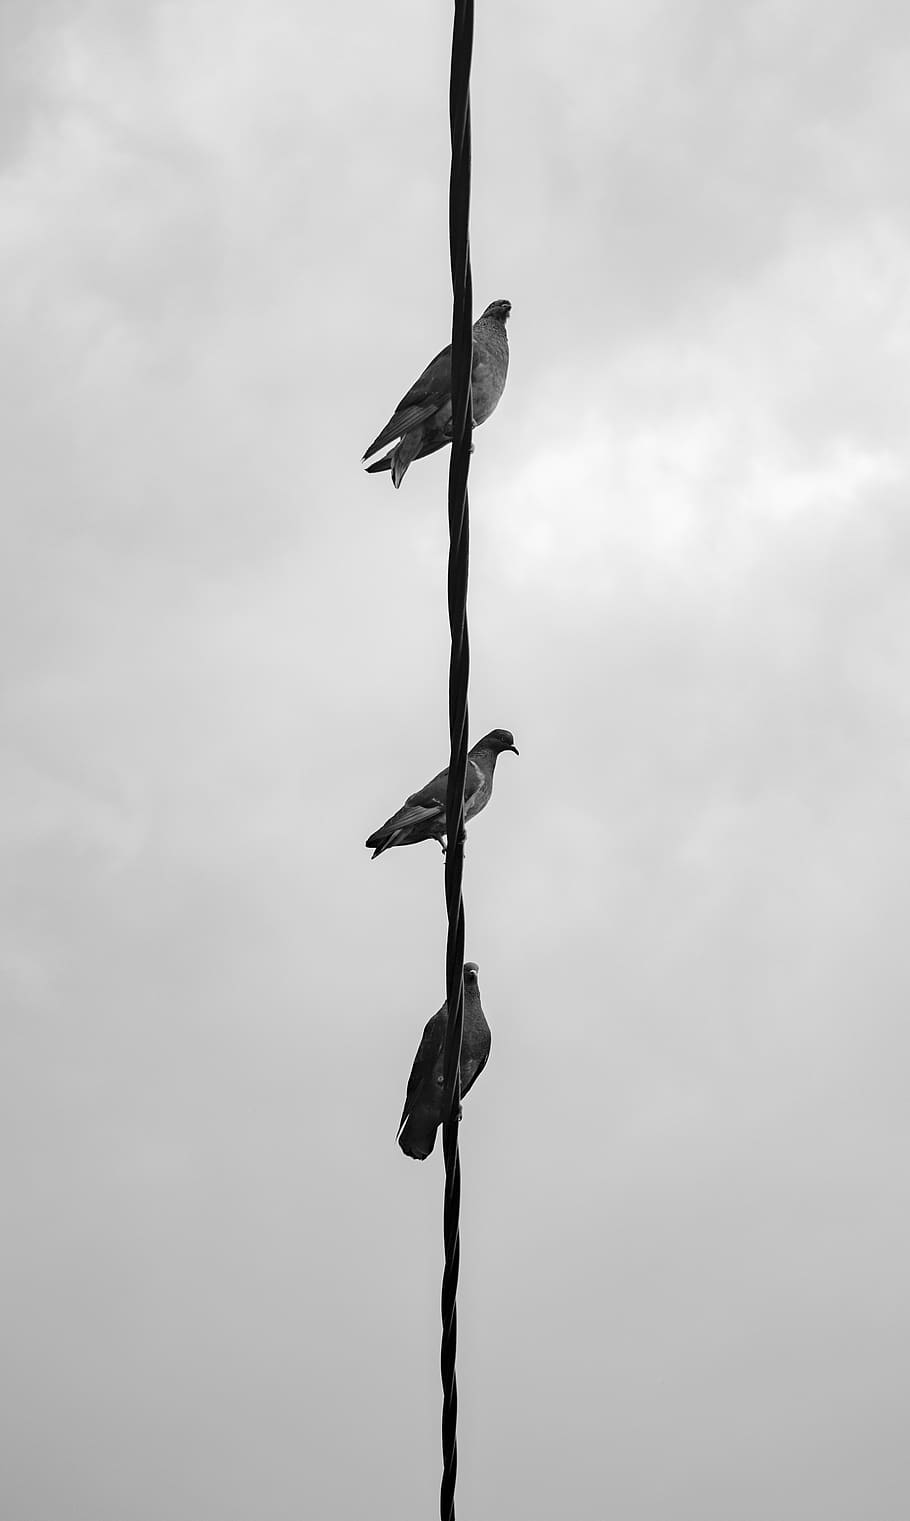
(459, 665)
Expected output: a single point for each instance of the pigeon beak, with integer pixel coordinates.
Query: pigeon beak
(514, 749)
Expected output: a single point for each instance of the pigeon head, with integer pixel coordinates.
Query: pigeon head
(497, 740)
(500, 309)
(470, 971)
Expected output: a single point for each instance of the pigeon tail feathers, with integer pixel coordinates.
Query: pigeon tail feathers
(380, 841)
(418, 1140)
(404, 454)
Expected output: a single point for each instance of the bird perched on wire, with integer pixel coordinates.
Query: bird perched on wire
(423, 815)
(423, 1106)
(422, 421)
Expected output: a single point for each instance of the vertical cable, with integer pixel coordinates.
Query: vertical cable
(459, 665)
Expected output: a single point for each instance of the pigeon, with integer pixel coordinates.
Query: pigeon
(422, 421)
(423, 1106)
(423, 815)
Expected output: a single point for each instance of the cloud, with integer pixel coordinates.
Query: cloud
(224, 662)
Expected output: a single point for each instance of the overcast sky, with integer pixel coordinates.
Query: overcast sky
(223, 258)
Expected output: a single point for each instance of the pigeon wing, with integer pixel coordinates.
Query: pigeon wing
(425, 397)
(433, 795)
(410, 815)
(475, 1075)
(429, 802)
(425, 1060)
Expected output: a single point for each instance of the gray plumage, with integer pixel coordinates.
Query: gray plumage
(422, 1113)
(423, 815)
(422, 421)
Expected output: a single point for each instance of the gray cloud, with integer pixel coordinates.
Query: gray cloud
(224, 656)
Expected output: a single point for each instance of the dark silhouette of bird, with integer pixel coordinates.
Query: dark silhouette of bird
(422, 421)
(423, 815)
(423, 1106)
